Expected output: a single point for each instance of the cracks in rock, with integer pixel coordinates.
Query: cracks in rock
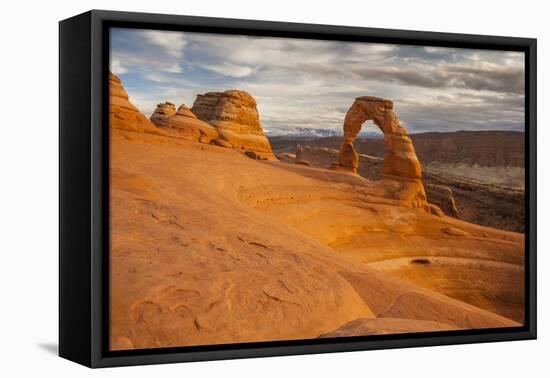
(277, 299)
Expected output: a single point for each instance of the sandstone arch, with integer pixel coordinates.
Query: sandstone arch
(399, 156)
(401, 169)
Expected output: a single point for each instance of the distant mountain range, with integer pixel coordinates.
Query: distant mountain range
(482, 148)
(303, 132)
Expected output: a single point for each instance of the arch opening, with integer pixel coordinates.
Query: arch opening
(400, 159)
(369, 145)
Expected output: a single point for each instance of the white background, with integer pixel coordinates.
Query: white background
(29, 186)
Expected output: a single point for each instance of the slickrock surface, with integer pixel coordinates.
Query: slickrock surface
(480, 280)
(122, 113)
(235, 116)
(183, 124)
(384, 326)
(221, 143)
(221, 248)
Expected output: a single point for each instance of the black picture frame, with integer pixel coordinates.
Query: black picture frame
(84, 187)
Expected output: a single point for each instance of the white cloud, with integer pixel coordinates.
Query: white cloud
(232, 70)
(310, 83)
(117, 68)
(173, 68)
(149, 52)
(436, 50)
(127, 62)
(173, 42)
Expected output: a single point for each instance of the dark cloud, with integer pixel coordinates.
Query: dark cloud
(310, 83)
(502, 80)
(462, 112)
(495, 79)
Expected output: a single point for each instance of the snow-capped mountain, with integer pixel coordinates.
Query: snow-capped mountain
(303, 132)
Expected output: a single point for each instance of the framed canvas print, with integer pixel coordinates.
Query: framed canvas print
(233, 188)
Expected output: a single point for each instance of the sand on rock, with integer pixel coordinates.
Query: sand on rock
(201, 255)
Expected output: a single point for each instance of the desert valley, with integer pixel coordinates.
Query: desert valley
(475, 176)
(221, 233)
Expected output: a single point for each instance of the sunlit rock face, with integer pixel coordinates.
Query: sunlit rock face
(182, 123)
(162, 112)
(122, 113)
(235, 115)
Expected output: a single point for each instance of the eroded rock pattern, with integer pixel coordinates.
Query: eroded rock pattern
(234, 114)
(218, 248)
(164, 110)
(122, 113)
(183, 123)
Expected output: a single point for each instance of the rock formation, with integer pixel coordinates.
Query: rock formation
(400, 161)
(442, 196)
(183, 123)
(163, 111)
(208, 246)
(399, 158)
(122, 113)
(401, 166)
(483, 202)
(221, 143)
(234, 114)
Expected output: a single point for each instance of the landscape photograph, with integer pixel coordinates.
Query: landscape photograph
(273, 189)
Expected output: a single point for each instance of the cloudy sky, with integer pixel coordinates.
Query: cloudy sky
(311, 84)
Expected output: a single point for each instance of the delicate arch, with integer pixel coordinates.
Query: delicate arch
(400, 160)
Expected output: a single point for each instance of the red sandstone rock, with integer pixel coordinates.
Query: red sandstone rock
(234, 114)
(221, 143)
(400, 161)
(122, 113)
(183, 123)
(163, 111)
(185, 111)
